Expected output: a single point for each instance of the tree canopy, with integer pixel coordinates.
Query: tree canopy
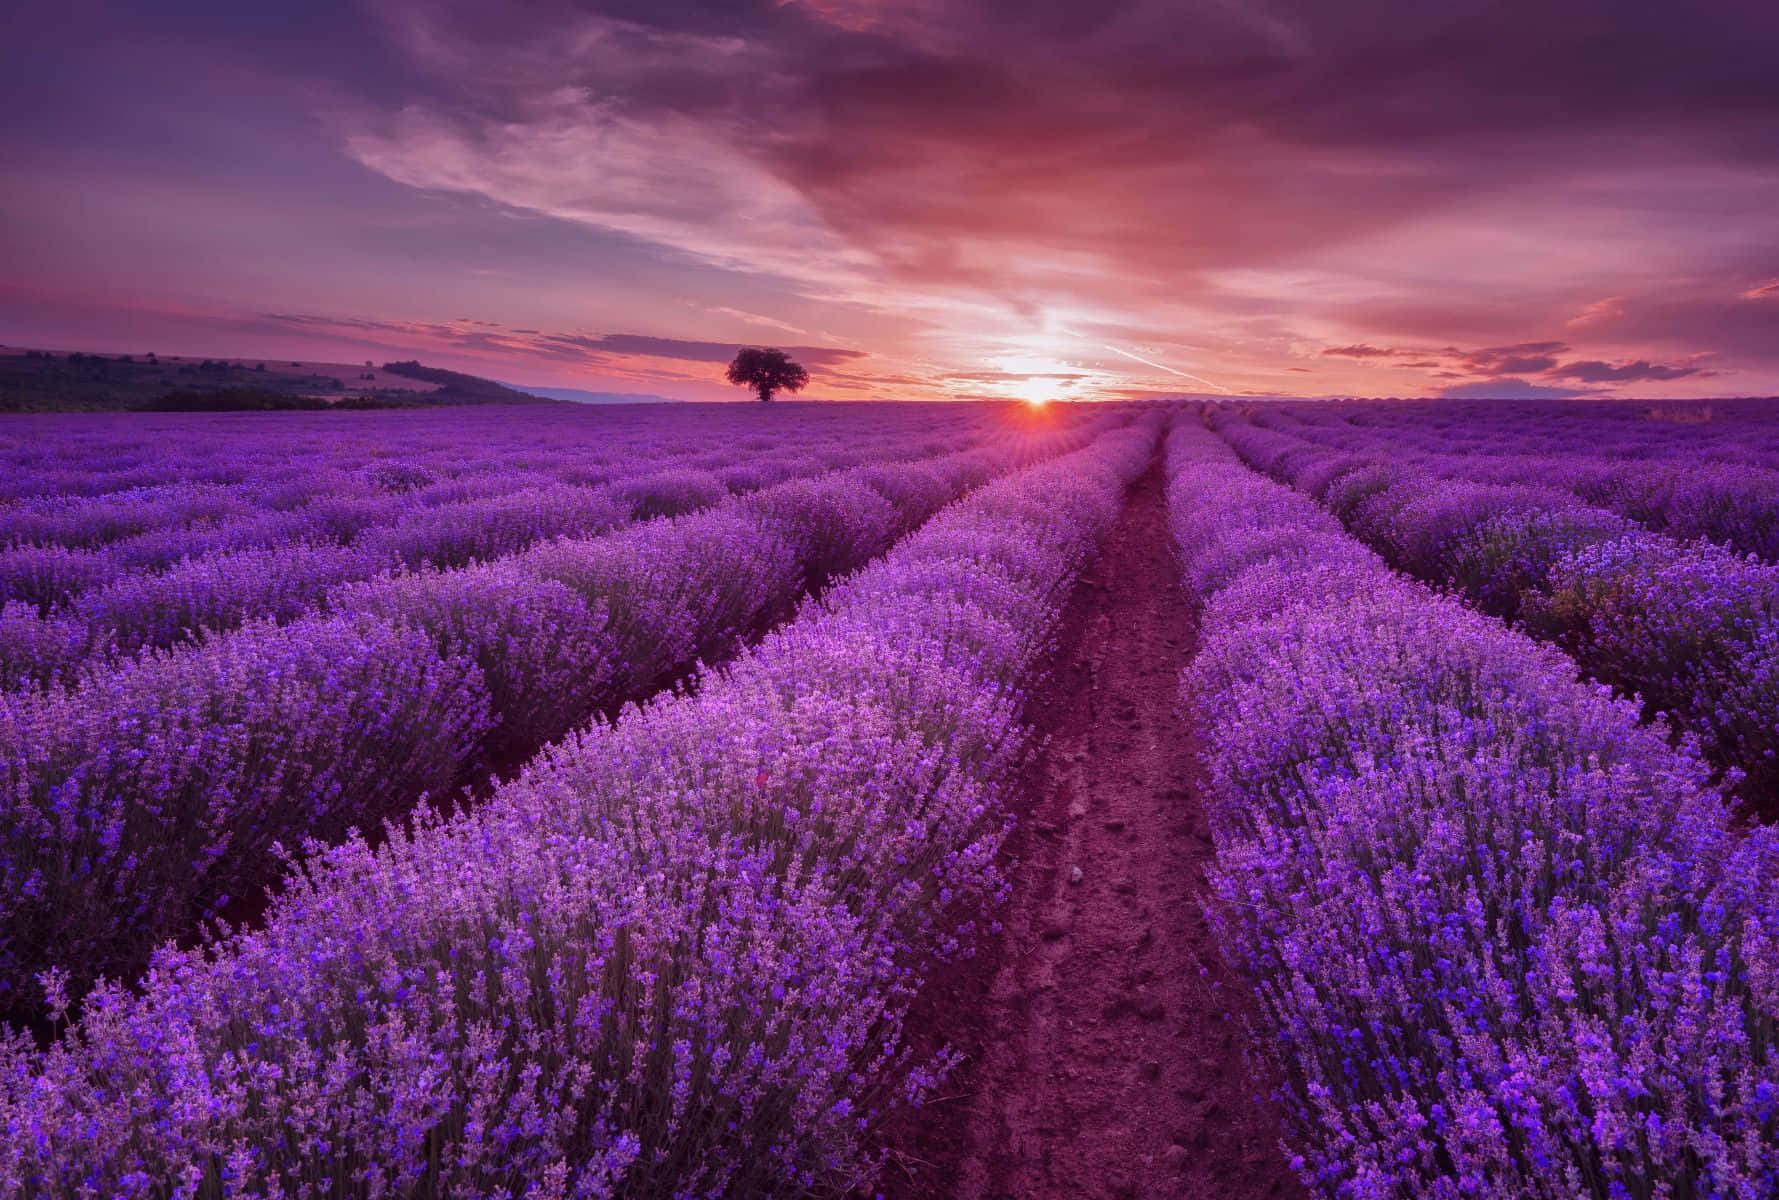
(767, 371)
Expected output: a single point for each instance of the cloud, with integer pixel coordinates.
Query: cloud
(757, 319)
(1506, 366)
(1361, 351)
(1507, 389)
(1520, 364)
(646, 346)
(979, 163)
(1762, 291)
(1602, 372)
(1598, 312)
(1518, 359)
(605, 350)
(1015, 376)
(659, 177)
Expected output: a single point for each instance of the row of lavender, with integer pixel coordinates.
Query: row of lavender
(1505, 940)
(1679, 431)
(329, 478)
(1734, 504)
(49, 463)
(216, 592)
(274, 545)
(140, 801)
(672, 958)
(1690, 627)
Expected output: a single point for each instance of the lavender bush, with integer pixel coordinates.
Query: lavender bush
(672, 958)
(671, 492)
(1671, 478)
(544, 652)
(675, 591)
(140, 799)
(1690, 628)
(515, 652)
(36, 650)
(1505, 938)
(145, 493)
(327, 525)
(489, 527)
(217, 593)
(41, 575)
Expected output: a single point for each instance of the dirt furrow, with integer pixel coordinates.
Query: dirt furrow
(1103, 1033)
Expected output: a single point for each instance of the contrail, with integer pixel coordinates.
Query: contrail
(1159, 367)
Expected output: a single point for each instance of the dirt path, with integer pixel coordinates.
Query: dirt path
(1103, 1031)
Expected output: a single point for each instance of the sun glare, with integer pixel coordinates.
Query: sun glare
(1039, 379)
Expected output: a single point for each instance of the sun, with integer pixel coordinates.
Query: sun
(1038, 391)
(1035, 377)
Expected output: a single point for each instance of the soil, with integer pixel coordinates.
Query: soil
(1104, 1037)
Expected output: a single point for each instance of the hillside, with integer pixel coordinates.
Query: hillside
(54, 381)
(455, 387)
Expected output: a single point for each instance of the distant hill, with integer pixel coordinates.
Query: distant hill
(578, 396)
(53, 381)
(457, 388)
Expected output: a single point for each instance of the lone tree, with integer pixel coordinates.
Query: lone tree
(767, 371)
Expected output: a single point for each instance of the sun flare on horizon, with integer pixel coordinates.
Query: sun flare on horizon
(1036, 379)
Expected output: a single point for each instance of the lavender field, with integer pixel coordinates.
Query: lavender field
(1340, 799)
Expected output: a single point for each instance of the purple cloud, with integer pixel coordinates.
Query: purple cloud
(1521, 358)
(1361, 351)
(1602, 372)
(1507, 389)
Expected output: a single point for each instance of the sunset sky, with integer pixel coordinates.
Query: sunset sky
(919, 198)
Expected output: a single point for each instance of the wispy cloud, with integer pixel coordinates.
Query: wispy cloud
(1510, 364)
(1363, 351)
(1598, 312)
(756, 319)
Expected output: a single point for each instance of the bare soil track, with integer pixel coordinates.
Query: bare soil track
(1103, 1033)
